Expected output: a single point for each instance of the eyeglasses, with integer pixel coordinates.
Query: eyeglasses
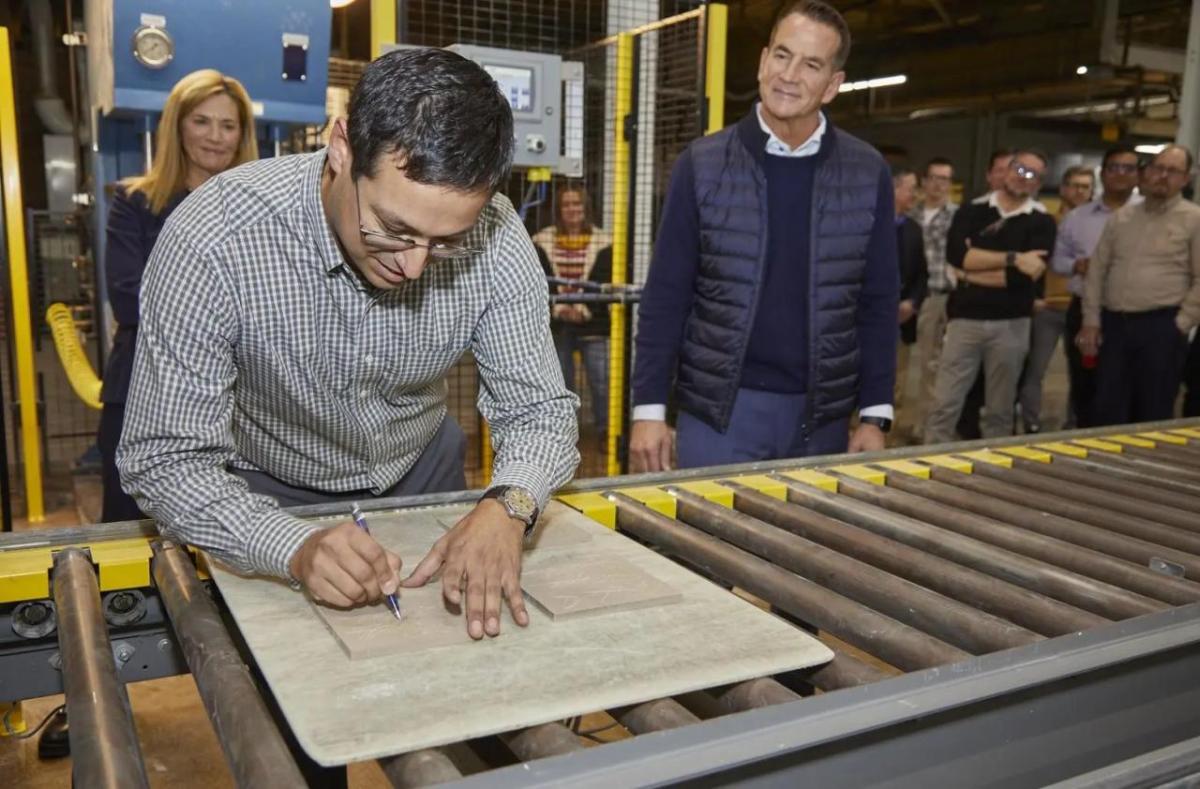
(1027, 173)
(942, 179)
(1162, 169)
(1117, 168)
(386, 242)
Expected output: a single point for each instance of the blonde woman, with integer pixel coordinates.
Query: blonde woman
(207, 126)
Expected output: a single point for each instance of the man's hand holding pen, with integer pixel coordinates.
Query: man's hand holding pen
(478, 561)
(345, 567)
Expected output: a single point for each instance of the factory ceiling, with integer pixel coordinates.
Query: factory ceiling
(985, 55)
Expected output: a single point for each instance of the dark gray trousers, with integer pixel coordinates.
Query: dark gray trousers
(438, 470)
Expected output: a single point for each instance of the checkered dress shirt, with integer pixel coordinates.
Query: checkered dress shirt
(259, 348)
(934, 233)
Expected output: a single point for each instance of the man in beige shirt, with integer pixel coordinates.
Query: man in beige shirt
(1142, 296)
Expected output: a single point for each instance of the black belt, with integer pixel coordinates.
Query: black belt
(1157, 312)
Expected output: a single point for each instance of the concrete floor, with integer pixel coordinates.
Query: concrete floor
(178, 743)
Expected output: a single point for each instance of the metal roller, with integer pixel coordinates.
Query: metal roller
(252, 744)
(657, 715)
(1117, 535)
(756, 693)
(1146, 487)
(750, 695)
(539, 742)
(1159, 465)
(105, 752)
(1026, 477)
(952, 621)
(891, 641)
(1110, 465)
(1099, 598)
(701, 703)
(1166, 453)
(420, 768)
(845, 671)
(1037, 534)
(1039, 613)
(1191, 445)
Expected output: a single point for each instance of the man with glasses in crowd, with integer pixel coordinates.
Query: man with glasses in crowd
(1142, 296)
(1078, 234)
(299, 316)
(934, 214)
(998, 249)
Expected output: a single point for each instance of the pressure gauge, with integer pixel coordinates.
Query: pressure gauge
(153, 47)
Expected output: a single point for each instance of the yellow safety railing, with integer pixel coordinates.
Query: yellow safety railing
(79, 370)
(383, 25)
(716, 22)
(487, 456)
(10, 169)
(620, 251)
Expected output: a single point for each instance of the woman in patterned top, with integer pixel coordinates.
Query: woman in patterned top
(574, 248)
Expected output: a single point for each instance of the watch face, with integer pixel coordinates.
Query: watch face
(520, 502)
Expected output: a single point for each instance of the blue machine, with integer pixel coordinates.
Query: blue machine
(139, 49)
(278, 49)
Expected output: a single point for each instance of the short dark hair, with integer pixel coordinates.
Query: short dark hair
(442, 113)
(999, 153)
(938, 161)
(901, 170)
(1034, 152)
(825, 14)
(1079, 169)
(1118, 150)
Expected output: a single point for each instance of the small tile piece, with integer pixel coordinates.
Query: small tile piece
(371, 631)
(566, 591)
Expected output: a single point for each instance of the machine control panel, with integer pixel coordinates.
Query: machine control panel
(532, 83)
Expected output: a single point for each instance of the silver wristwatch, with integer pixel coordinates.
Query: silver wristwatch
(518, 503)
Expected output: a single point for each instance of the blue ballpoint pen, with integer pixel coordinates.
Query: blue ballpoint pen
(360, 521)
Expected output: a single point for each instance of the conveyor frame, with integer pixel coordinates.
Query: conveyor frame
(1023, 717)
(1107, 700)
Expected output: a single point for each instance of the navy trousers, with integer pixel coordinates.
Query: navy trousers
(764, 426)
(1140, 365)
(117, 504)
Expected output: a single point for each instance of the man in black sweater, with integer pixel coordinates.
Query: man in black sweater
(999, 248)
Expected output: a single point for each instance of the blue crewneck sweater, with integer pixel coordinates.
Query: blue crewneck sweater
(777, 354)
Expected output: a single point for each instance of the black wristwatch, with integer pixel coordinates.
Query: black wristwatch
(1010, 259)
(881, 422)
(518, 503)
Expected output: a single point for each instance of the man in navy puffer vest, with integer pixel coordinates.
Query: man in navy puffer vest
(771, 302)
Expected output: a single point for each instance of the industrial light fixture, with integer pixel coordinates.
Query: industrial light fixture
(878, 82)
(1081, 70)
(1153, 150)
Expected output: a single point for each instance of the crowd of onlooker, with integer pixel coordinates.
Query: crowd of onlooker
(792, 258)
(990, 287)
